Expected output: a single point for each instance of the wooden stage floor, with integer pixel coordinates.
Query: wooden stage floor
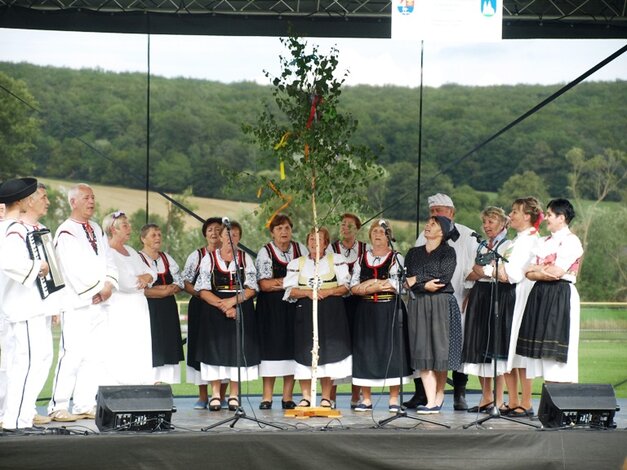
(352, 441)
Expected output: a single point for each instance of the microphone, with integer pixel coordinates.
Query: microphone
(388, 231)
(226, 222)
(474, 235)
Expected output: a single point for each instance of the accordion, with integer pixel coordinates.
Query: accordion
(40, 246)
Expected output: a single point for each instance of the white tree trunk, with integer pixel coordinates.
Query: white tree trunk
(314, 310)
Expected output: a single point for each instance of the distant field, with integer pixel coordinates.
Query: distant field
(132, 200)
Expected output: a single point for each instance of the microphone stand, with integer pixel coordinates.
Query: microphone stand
(401, 412)
(239, 412)
(495, 412)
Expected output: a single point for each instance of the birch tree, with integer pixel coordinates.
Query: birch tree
(308, 138)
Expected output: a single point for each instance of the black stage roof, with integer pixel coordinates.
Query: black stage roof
(522, 19)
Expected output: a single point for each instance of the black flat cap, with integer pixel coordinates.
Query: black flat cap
(17, 189)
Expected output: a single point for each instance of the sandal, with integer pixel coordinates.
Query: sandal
(304, 403)
(233, 404)
(325, 403)
(212, 406)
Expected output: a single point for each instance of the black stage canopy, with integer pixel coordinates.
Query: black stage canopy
(522, 19)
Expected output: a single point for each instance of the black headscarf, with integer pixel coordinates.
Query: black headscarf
(449, 231)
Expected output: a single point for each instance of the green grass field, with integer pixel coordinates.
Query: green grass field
(602, 356)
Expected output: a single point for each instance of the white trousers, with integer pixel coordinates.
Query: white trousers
(3, 364)
(29, 355)
(80, 367)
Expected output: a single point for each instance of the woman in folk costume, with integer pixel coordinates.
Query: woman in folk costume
(478, 352)
(211, 229)
(128, 307)
(165, 326)
(275, 318)
(376, 352)
(525, 217)
(548, 340)
(335, 359)
(221, 294)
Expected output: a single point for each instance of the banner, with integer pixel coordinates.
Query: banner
(443, 20)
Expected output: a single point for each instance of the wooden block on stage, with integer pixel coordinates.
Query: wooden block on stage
(305, 412)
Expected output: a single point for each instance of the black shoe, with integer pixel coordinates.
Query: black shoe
(288, 405)
(265, 405)
(415, 401)
(459, 402)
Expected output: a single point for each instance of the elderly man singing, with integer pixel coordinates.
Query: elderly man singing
(91, 275)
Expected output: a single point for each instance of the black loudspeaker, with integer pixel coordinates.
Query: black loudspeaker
(134, 408)
(577, 404)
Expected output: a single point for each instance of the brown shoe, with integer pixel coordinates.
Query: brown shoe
(63, 416)
(91, 414)
(38, 420)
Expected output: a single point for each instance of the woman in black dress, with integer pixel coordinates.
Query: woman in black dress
(218, 287)
(376, 352)
(211, 229)
(434, 320)
(478, 351)
(165, 327)
(275, 318)
(335, 359)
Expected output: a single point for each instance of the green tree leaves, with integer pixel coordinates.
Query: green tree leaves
(18, 128)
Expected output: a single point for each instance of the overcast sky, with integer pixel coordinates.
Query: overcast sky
(369, 61)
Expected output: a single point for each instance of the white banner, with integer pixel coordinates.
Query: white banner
(443, 20)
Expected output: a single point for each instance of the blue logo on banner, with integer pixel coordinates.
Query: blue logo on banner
(405, 7)
(488, 7)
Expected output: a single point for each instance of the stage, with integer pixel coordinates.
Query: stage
(352, 441)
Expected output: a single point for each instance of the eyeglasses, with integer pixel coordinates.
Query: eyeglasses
(118, 214)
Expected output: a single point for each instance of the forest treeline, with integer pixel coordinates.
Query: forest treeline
(90, 125)
(196, 132)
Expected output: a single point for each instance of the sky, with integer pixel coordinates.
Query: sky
(369, 61)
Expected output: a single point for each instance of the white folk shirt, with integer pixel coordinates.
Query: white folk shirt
(376, 261)
(293, 273)
(19, 297)
(264, 260)
(159, 267)
(563, 249)
(206, 271)
(85, 271)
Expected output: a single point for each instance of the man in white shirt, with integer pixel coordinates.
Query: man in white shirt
(465, 249)
(26, 340)
(91, 276)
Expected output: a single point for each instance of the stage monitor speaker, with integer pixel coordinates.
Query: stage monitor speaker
(134, 408)
(564, 405)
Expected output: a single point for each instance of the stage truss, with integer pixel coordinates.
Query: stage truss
(332, 18)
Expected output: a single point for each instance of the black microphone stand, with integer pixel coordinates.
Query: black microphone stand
(494, 411)
(401, 412)
(239, 412)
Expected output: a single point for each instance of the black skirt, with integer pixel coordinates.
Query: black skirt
(376, 349)
(350, 306)
(333, 332)
(165, 329)
(193, 323)
(275, 325)
(217, 336)
(480, 323)
(545, 328)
